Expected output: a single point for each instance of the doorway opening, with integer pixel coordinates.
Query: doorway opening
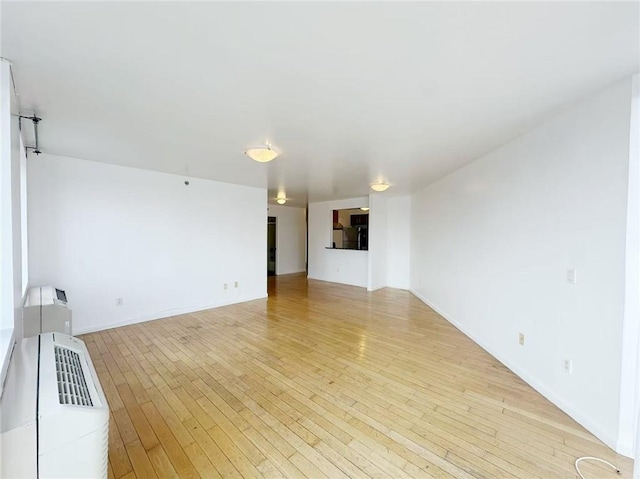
(271, 246)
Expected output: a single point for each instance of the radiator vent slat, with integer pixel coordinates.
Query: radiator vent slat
(72, 386)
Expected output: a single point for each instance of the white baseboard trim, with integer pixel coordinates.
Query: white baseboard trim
(291, 272)
(161, 315)
(625, 449)
(403, 288)
(580, 417)
(337, 282)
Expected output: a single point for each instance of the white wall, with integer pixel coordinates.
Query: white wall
(291, 238)
(378, 244)
(398, 241)
(492, 242)
(11, 276)
(630, 377)
(17, 157)
(103, 232)
(339, 266)
(24, 226)
(6, 227)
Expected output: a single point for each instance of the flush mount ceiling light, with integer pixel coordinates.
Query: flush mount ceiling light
(261, 154)
(364, 208)
(281, 201)
(379, 186)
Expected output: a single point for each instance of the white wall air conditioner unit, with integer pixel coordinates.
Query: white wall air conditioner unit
(55, 417)
(46, 311)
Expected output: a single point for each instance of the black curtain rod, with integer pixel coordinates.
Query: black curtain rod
(35, 121)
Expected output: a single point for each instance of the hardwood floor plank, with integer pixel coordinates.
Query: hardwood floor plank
(233, 453)
(143, 429)
(174, 451)
(325, 380)
(224, 467)
(201, 462)
(141, 461)
(119, 462)
(161, 462)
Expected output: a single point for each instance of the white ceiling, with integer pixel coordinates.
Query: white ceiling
(348, 92)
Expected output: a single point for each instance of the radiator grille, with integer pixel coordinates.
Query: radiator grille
(72, 387)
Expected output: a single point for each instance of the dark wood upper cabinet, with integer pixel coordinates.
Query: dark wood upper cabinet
(359, 220)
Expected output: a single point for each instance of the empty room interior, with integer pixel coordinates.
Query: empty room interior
(319, 239)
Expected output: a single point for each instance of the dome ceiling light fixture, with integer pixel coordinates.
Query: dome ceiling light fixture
(282, 198)
(364, 208)
(380, 186)
(261, 154)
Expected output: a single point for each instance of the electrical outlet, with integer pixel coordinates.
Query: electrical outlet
(119, 301)
(521, 339)
(225, 286)
(568, 365)
(236, 284)
(571, 276)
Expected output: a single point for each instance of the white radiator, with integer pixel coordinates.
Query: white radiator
(46, 311)
(58, 417)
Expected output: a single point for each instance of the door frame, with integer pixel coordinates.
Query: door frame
(273, 220)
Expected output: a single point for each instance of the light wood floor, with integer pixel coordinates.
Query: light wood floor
(325, 380)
